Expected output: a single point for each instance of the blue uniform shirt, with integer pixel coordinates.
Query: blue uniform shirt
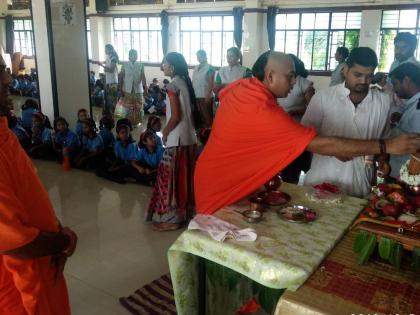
(70, 140)
(159, 142)
(20, 132)
(78, 130)
(151, 159)
(27, 117)
(108, 137)
(94, 144)
(409, 123)
(127, 153)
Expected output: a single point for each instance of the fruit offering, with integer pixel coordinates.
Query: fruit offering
(392, 204)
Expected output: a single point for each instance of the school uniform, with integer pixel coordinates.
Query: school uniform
(79, 131)
(69, 140)
(108, 137)
(26, 118)
(124, 155)
(89, 146)
(150, 159)
(41, 146)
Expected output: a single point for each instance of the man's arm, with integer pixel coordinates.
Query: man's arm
(341, 147)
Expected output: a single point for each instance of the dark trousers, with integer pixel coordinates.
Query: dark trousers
(125, 173)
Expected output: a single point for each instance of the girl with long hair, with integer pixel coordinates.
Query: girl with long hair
(172, 201)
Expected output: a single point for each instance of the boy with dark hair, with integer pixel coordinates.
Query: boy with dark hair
(349, 110)
(406, 83)
(405, 45)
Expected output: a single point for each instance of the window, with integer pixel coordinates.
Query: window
(88, 38)
(24, 37)
(214, 34)
(129, 2)
(393, 22)
(190, 1)
(140, 33)
(314, 37)
(18, 5)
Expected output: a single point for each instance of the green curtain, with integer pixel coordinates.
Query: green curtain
(10, 35)
(238, 16)
(271, 26)
(164, 21)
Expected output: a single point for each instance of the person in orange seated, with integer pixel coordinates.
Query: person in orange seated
(33, 245)
(253, 139)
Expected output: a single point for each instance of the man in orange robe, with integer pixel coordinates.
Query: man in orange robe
(253, 139)
(33, 246)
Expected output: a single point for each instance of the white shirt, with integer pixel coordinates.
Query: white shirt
(336, 75)
(110, 77)
(132, 77)
(184, 132)
(231, 74)
(295, 100)
(200, 80)
(332, 113)
(409, 123)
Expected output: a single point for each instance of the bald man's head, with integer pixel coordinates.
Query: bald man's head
(276, 71)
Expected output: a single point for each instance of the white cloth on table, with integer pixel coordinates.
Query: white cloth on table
(221, 230)
(332, 113)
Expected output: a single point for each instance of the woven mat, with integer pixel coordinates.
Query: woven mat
(155, 298)
(340, 284)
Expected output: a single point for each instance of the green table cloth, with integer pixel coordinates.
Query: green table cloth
(284, 255)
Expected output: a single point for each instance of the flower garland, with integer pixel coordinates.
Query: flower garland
(407, 178)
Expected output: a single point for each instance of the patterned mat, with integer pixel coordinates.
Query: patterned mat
(155, 298)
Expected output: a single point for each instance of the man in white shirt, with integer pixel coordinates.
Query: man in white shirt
(406, 83)
(337, 75)
(405, 45)
(350, 110)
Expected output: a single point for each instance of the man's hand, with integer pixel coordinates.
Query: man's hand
(404, 144)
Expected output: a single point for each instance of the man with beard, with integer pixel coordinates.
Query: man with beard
(349, 110)
(405, 45)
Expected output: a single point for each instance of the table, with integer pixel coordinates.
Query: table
(341, 286)
(283, 257)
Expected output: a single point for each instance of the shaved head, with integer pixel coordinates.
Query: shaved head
(276, 71)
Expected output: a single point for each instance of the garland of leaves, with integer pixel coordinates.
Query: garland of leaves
(388, 249)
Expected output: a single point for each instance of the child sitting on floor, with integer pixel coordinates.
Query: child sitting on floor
(106, 125)
(65, 142)
(19, 131)
(30, 107)
(126, 166)
(92, 148)
(41, 144)
(82, 114)
(154, 125)
(149, 154)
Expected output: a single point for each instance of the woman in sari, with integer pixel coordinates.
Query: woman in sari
(172, 202)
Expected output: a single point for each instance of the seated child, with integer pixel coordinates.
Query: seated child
(65, 141)
(105, 126)
(154, 125)
(82, 114)
(30, 107)
(19, 131)
(126, 167)
(91, 154)
(41, 144)
(149, 154)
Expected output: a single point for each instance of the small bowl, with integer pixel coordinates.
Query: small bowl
(414, 189)
(274, 183)
(252, 216)
(301, 214)
(256, 203)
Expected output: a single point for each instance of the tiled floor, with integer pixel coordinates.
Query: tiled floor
(117, 251)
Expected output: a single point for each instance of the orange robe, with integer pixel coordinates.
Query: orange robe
(252, 140)
(27, 286)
